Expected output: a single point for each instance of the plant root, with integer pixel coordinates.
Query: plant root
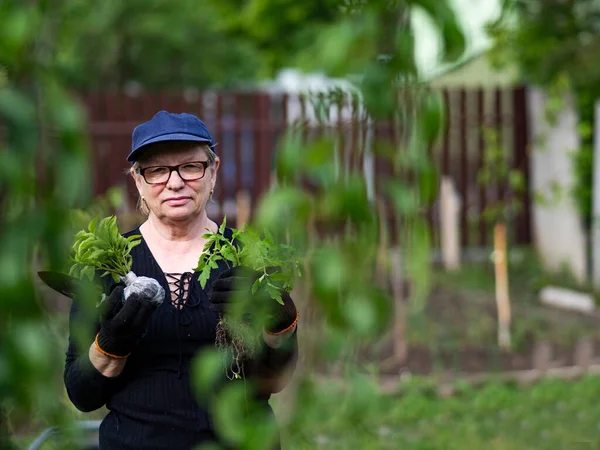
(235, 342)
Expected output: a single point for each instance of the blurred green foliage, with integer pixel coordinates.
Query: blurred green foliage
(149, 43)
(277, 29)
(497, 170)
(44, 173)
(49, 49)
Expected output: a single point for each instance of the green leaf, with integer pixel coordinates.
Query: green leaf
(432, 116)
(516, 181)
(132, 244)
(204, 276)
(403, 197)
(417, 263)
(104, 248)
(92, 225)
(228, 253)
(88, 272)
(274, 293)
(206, 371)
(278, 276)
(74, 271)
(254, 251)
(290, 160)
(428, 183)
(256, 285)
(282, 208)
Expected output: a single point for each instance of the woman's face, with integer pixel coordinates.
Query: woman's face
(176, 199)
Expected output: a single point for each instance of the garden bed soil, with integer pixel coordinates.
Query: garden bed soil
(457, 333)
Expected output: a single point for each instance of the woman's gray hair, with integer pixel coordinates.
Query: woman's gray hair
(141, 203)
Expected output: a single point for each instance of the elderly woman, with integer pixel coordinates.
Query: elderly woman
(138, 364)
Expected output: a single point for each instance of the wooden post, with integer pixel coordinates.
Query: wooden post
(383, 249)
(502, 295)
(400, 347)
(449, 218)
(595, 233)
(542, 356)
(584, 353)
(243, 205)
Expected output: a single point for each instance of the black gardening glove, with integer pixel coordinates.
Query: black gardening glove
(123, 322)
(232, 293)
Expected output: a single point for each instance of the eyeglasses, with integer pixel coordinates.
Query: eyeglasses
(189, 171)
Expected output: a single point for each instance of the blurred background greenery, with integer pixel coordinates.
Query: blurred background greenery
(378, 87)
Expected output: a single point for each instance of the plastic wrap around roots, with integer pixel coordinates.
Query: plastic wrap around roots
(146, 287)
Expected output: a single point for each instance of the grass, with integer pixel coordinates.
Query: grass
(550, 415)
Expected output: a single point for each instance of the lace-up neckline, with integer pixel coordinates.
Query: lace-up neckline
(185, 293)
(179, 284)
(179, 287)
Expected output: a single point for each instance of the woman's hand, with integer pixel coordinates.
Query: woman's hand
(232, 291)
(125, 315)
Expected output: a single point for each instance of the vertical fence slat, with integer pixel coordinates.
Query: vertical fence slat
(446, 140)
(521, 163)
(303, 120)
(219, 138)
(356, 148)
(281, 132)
(256, 135)
(483, 238)
(285, 98)
(237, 142)
(178, 103)
(128, 107)
(266, 155)
(91, 103)
(198, 107)
(113, 108)
(498, 122)
(339, 106)
(464, 169)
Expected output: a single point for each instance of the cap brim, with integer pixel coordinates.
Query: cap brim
(166, 137)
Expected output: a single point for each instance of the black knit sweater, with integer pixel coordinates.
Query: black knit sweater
(152, 403)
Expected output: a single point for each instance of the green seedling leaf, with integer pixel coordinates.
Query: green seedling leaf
(249, 248)
(256, 285)
(204, 275)
(102, 248)
(92, 225)
(274, 292)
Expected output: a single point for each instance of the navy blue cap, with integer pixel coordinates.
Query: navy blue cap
(166, 126)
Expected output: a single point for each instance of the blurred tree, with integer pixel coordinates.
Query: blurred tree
(278, 28)
(557, 43)
(150, 43)
(561, 36)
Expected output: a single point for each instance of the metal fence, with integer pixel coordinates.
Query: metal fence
(248, 125)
